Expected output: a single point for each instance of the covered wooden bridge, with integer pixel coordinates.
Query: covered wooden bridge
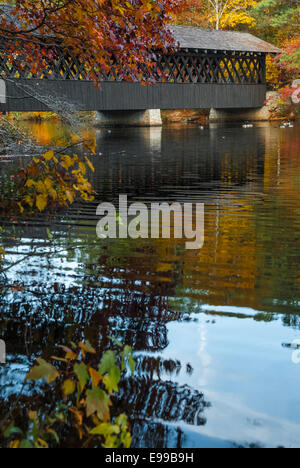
(212, 69)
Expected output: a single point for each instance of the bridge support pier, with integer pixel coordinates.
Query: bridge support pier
(140, 118)
(240, 115)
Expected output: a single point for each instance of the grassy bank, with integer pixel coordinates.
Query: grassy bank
(43, 116)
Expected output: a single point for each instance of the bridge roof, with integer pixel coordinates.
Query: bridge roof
(199, 38)
(210, 39)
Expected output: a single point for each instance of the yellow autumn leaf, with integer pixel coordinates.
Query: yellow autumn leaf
(53, 193)
(41, 202)
(32, 415)
(70, 196)
(75, 138)
(86, 197)
(48, 183)
(68, 387)
(82, 167)
(89, 164)
(41, 187)
(28, 200)
(30, 183)
(42, 443)
(15, 444)
(49, 155)
(67, 161)
(61, 142)
(21, 207)
(91, 147)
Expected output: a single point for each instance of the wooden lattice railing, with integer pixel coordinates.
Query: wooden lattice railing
(182, 67)
(191, 67)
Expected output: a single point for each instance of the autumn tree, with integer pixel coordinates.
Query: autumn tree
(219, 14)
(230, 13)
(277, 21)
(192, 13)
(103, 33)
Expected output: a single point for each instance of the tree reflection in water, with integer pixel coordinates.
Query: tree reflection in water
(48, 314)
(79, 286)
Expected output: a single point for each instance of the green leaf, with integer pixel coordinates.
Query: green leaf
(26, 444)
(105, 429)
(60, 417)
(127, 351)
(112, 381)
(127, 354)
(97, 401)
(81, 372)
(35, 429)
(44, 370)
(50, 236)
(131, 364)
(117, 342)
(11, 430)
(115, 374)
(111, 442)
(108, 361)
(122, 421)
(126, 439)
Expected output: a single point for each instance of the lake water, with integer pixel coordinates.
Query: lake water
(211, 329)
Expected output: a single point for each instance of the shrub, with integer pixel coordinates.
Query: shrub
(83, 404)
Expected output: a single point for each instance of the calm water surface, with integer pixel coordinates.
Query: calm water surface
(211, 329)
